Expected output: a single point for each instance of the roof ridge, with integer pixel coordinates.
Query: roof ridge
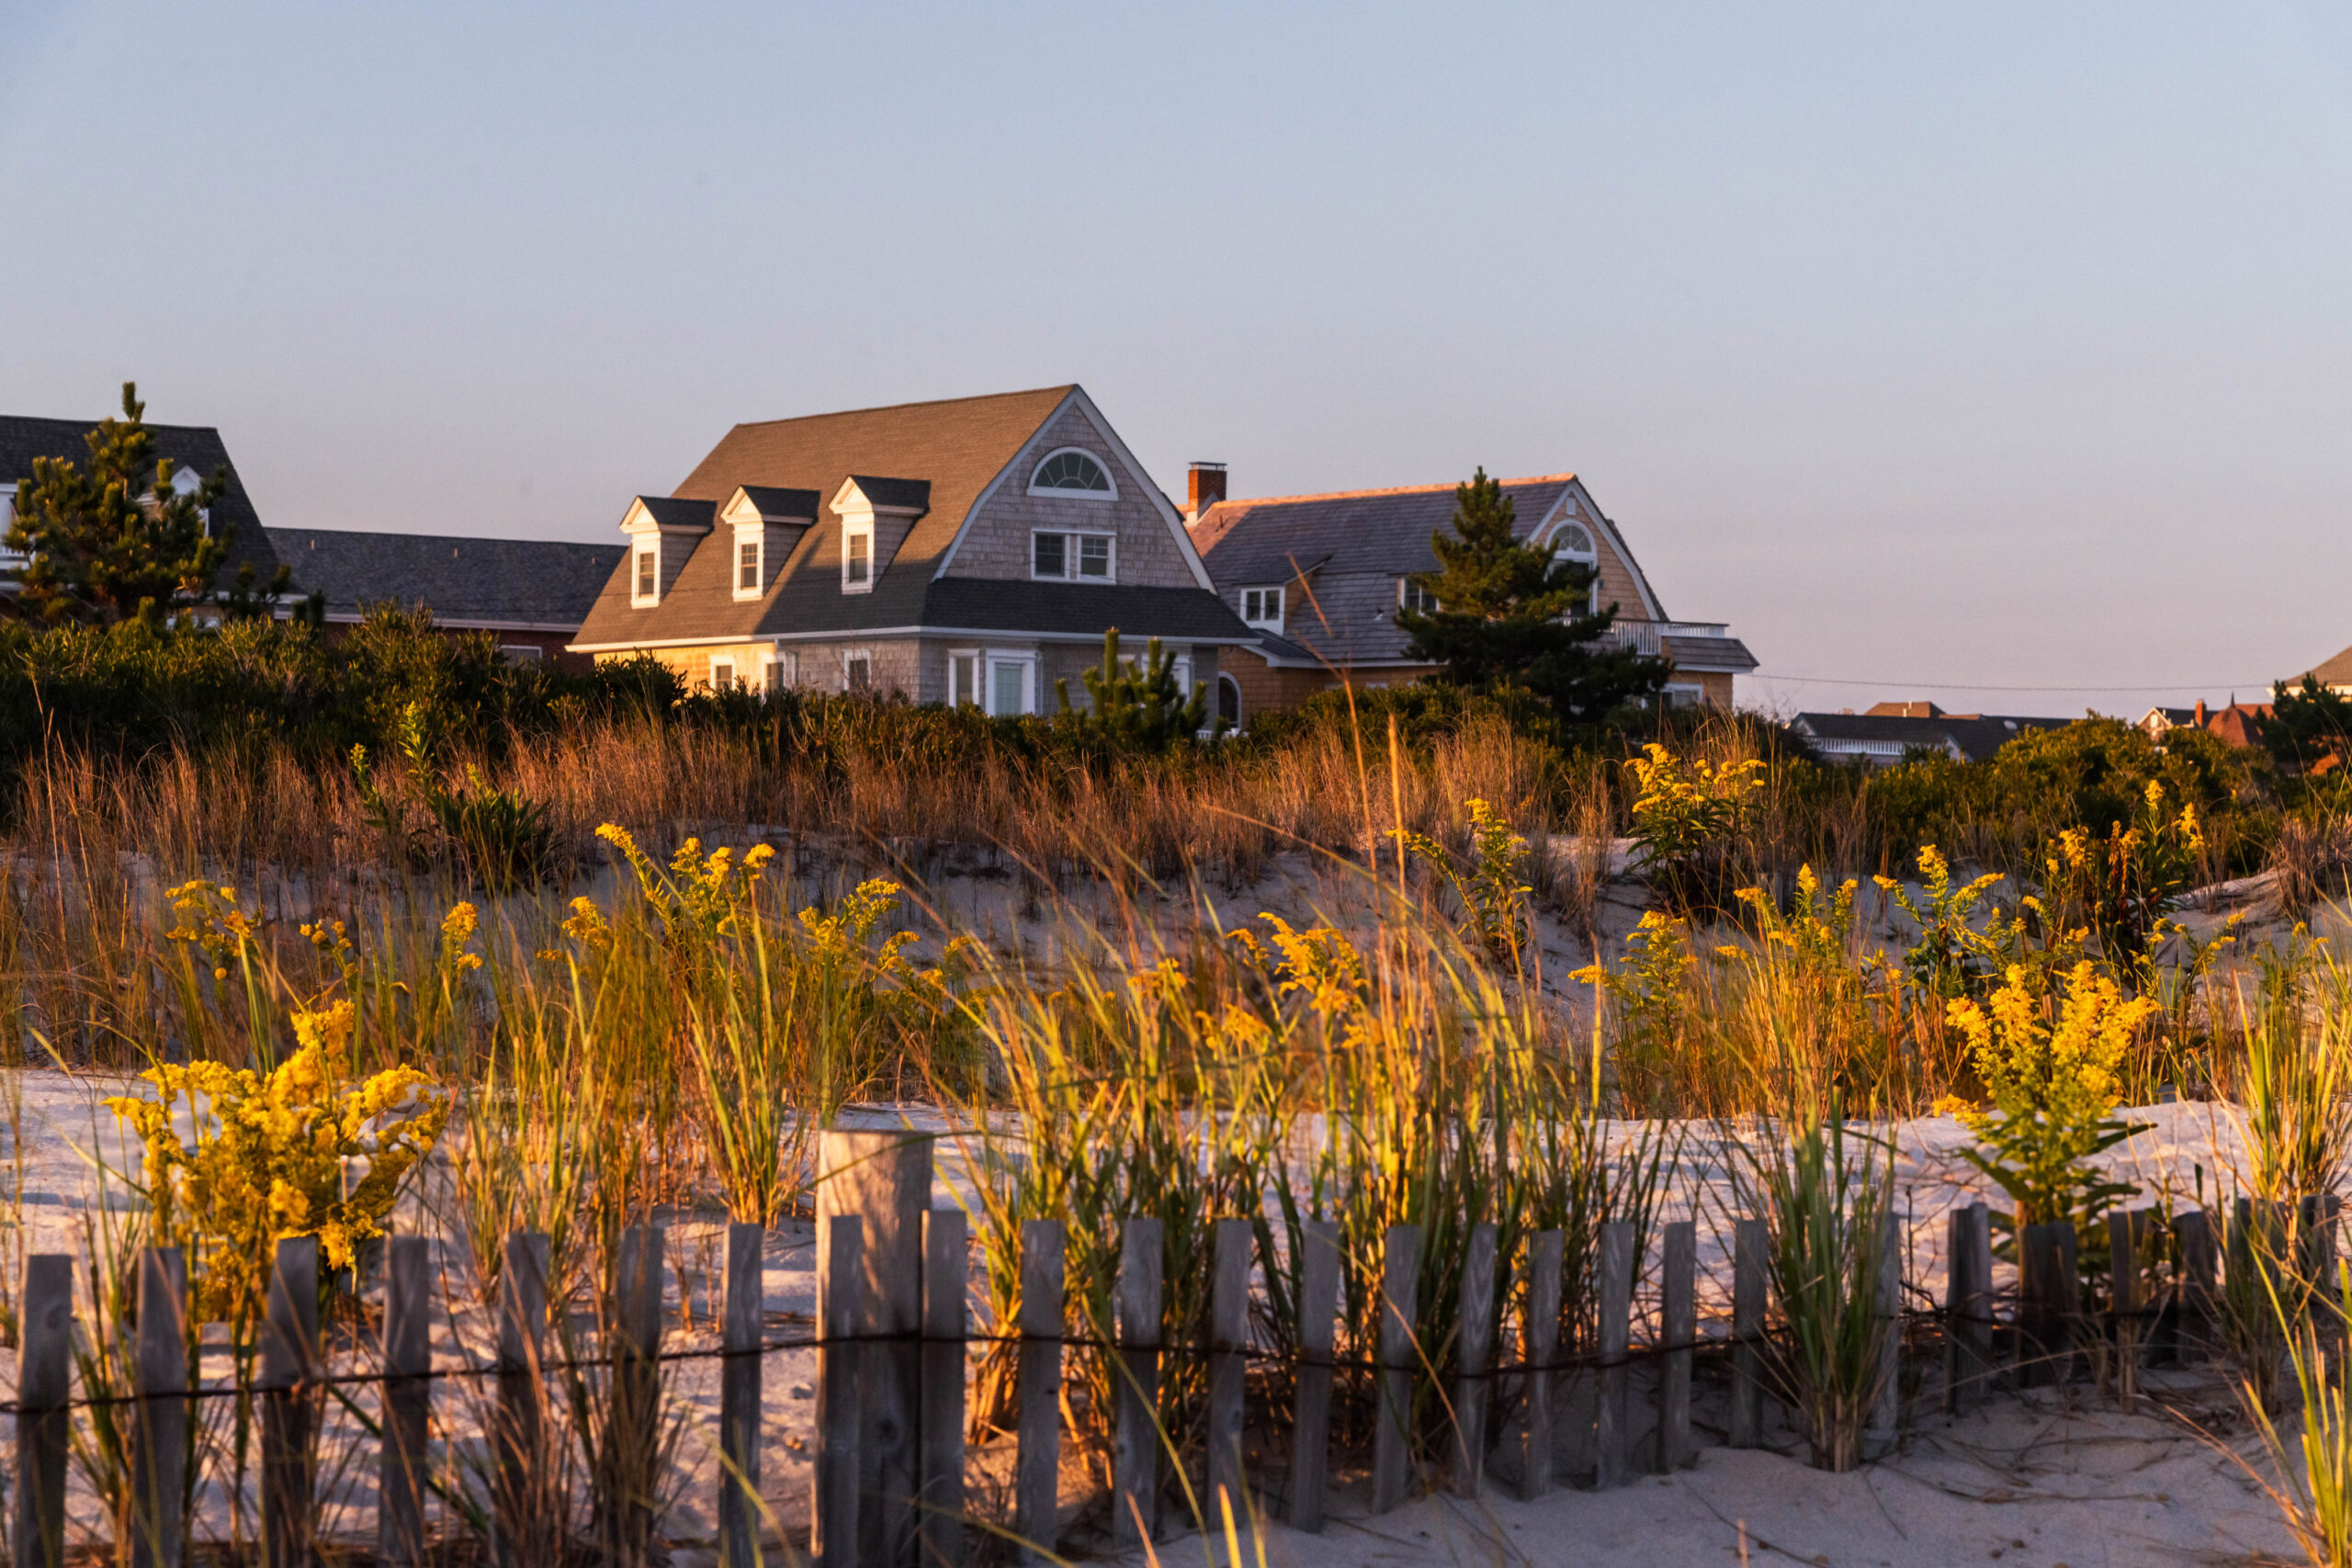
(1391, 490)
(441, 538)
(1065, 389)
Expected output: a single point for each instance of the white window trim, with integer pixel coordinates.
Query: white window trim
(1030, 667)
(1282, 604)
(855, 528)
(979, 677)
(1071, 537)
(1404, 585)
(756, 538)
(638, 598)
(1590, 556)
(784, 659)
(521, 653)
(728, 664)
(1056, 493)
(850, 656)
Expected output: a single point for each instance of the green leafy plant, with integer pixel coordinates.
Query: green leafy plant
(1492, 898)
(1950, 958)
(2053, 1089)
(1687, 818)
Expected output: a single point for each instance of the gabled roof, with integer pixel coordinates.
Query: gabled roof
(2335, 671)
(514, 584)
(775, 505)
(1384, 531)
(1974, 736)
(196, 447)
(957, 448)
(671, 512)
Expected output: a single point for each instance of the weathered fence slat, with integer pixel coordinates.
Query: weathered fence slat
(1539, 1342)
(885, 1177)
(289, 1357)
(1135, 1498)
(1310, 1432)
(947, 1266)
(841, 1280)
(634, 1442)
(522, 1499)
(1229, 1345)
(1968, 1307)
(2315, 1248)
(1619, 1247)
(2193, 1335)
(1678, 1332)
(2047, 1304)
(1878, 1434)
(738, 1397)
(44, 1382)
(1475, 1333)
(1750, 1274)
(159, 1421)
(1400, 1275)
(2124, 1235)
(402, 1475)
(1037, 1464)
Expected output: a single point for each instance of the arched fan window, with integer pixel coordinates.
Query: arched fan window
(1071, 472)
(1571, 543)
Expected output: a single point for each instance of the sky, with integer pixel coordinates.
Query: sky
(1999, 354)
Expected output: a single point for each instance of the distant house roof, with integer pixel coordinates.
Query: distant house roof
(2335, 671)
(938, 458)
(1885, 737)
(195, 447)
(498, 584)
(1272, 538)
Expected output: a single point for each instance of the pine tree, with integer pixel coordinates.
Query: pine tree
(2305, 724)
(1508, 614)
(1134, 708)
(115, 540)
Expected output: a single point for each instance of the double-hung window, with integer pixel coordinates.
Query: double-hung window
(722, 674)
(746, 566)
(857, 557)
(648, 573)
(1411, 595)
(1263, 608)
(1068, 556)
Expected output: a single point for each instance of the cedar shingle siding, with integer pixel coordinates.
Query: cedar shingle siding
(957, 572)
(1340, 557)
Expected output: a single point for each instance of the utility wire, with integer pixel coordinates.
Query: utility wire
(1974, 686)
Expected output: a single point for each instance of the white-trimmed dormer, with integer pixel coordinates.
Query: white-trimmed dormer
(764, 524)
(663, 532)
(875, 514)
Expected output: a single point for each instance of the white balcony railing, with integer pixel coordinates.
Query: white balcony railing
(1643, 636)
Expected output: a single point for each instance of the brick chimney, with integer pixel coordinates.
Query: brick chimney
(2200, 712)
(1204, 487)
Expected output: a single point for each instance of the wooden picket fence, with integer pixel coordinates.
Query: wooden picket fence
(888, 1484)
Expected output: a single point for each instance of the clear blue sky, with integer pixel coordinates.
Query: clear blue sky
(1985, 344)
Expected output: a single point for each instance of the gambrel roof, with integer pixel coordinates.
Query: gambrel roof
(937, 460)
(195, 447)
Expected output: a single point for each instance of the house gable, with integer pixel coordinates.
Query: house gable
(995, 540)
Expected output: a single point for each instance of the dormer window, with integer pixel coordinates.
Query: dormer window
(1263, 608)
(1411, 595)
(747, 565)
(1075, 473)
(857, 556)
(648, 575)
